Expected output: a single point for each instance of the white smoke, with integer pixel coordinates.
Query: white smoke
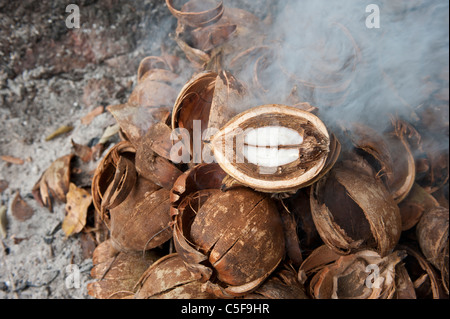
(366, 73)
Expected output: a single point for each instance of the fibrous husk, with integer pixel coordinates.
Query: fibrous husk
(116, 274)
(135, 209)
(168, 278)
(413, 206)
(352, 210)
(390, 155)
(233, 239)
(362, 275)
(53, 185)
(432, 234)
(282, 284)
(290, 150)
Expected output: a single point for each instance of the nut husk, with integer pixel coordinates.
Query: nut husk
(362, 275)
(168, 278)
(206, 103)
(432, 235)
(300, 208)
(282, 284)
(151, 100)
(209, 34)
(153, 156)
(425, 279)
(413, 206)
(194, 13)
(135, 210)
(116, 274)
(200, 177)
(352, 210)
(390, 155)
(314, 149)
(233, 239)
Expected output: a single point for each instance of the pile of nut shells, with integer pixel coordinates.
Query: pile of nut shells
(358, 213)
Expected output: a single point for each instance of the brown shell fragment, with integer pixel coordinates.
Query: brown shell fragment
(134, 121)
(436, 160)
(168, 278)
(141, 221)
(206, 103)
(300, 208)
(158, 68)
(425, 279)
(233, 239)
(197, 13)
(413, 206)
(282, 284)
(362, 275)
(153, 156)
(116, 274)
(432, 234)
(135, 209)
(390, 154)
(370, 218)
(112, 183)
(200, 177)
(194, 104)
(150, 101)
(222, 33)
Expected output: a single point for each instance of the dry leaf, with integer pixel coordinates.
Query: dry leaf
(20, 209)
(82, 151)
(12, 160)
(78, 202)
(59, 131)
(87, 119)
(3, 222)
(54, 183)
(109, 132)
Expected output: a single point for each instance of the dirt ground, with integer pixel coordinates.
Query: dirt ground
(50, 76)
